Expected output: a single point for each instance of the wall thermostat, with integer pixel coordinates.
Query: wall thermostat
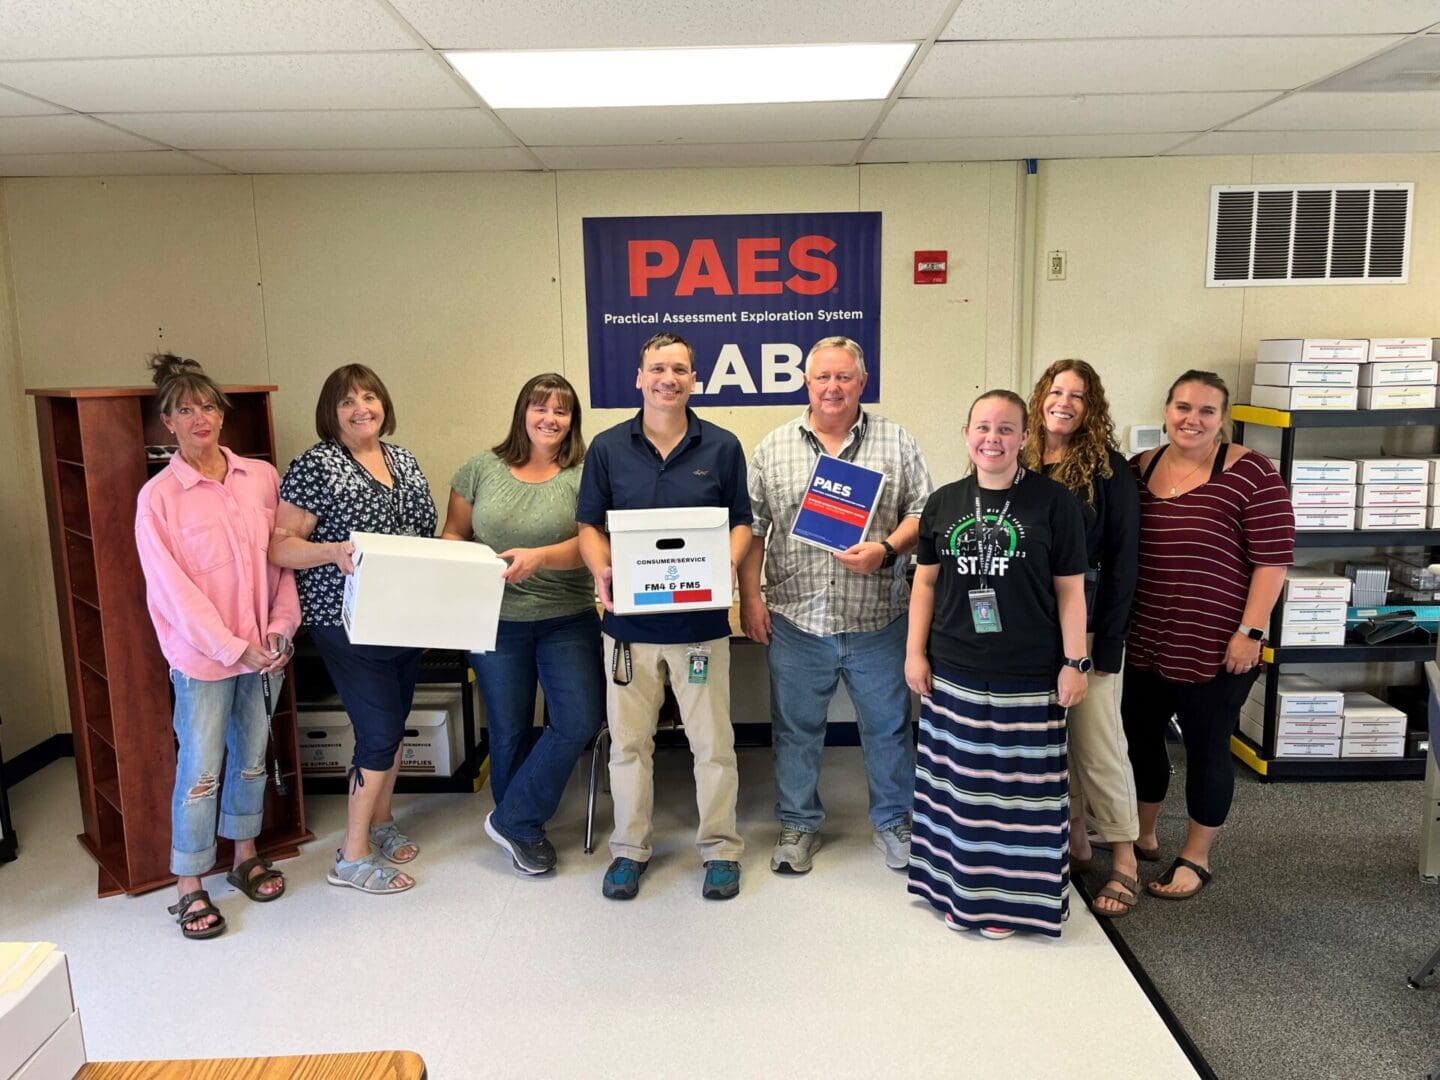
(1144, 437)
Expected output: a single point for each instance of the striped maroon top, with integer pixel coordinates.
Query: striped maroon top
(1196, 555)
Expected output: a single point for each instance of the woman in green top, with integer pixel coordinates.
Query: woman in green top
(519, 499)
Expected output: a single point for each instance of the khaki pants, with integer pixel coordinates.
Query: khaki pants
(705, 713)
(1100, 772)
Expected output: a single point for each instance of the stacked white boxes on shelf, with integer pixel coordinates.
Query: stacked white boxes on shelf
(1314, 611)
(1308, 717)
(1371, 728)
(1323, 492)
(1308, 373)
(1394, 493)
(1401, 374)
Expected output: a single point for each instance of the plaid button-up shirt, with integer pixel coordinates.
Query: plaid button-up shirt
(806, 584)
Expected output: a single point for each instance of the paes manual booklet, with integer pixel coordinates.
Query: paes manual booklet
(838, 504)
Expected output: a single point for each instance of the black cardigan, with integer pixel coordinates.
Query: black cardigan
(1112, 544)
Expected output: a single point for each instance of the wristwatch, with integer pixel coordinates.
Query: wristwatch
(890, 555)
(1082, 665)
(1254, 633)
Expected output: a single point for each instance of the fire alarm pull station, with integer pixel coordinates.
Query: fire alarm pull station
(930, 267)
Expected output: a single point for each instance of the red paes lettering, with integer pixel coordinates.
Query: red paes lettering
(704, 269)
(807, 257)
(643, 269)
(748, 254)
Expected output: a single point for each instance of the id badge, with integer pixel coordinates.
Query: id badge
(697, 662)
(984, 611)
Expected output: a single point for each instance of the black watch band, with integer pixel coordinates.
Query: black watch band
(890, 555)
(1082, 665)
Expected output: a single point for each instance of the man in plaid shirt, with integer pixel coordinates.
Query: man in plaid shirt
(828, 616)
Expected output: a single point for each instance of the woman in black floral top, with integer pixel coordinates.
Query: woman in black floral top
(352, 481)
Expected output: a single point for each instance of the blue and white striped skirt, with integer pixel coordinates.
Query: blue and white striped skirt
(991, 843)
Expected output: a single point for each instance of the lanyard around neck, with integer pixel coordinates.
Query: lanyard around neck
(987, 538)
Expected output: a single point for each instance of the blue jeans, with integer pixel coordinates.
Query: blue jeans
(217, 721)
(564, 654)
(804, 671)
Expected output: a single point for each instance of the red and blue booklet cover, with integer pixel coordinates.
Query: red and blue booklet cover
(838, 504)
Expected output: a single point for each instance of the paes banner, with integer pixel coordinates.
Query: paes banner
(838, 504)
(751, 292)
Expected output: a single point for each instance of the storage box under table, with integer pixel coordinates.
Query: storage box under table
(1367, 715)
(1307, 746)
(669, 560)
(1373, 746)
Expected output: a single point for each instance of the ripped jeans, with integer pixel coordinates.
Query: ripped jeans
(219, 721)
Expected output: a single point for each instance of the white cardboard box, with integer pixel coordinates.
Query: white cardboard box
(1253, 725)
(1391, 517)
(1300, 695)
(1307, 495)
(419, 591)
(1300, 727)
(1399, 373)
(1313, 613)
(1324, 517)
(61, 1057)
(1313, 350)
(327, 742)
(1322, 471)
(1303, 583)
(1308, 374)
(1394, 495)
(669, 560)
(1366, 714)
(1392, 746)
(432, 746)
(1393, 470)
(1399, 348)
(1396, 397)
(1303, 397)
(1309, 746)
(36, 1010)
(1313, 634)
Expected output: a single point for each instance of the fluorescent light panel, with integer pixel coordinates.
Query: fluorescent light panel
(599, 78)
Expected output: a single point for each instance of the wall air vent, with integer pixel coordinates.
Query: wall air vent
(1309, 234)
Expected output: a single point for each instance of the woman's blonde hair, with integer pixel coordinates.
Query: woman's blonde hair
(1087, 456)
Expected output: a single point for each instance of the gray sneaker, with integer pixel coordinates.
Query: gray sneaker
(895, 843)
(794, 851)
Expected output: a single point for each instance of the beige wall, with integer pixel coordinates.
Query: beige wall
(458, 286)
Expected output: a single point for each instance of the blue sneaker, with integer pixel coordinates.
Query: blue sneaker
(722, 880)
(622, 880)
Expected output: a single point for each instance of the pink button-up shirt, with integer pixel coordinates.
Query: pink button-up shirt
(209, 586)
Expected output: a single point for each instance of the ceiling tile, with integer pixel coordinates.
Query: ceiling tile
(135, 163)
(1016, 149)
(17, 104)
(996, 69)
(800, 122)
(1313, 142)
(42, 29)
(372, 161)
(330, 129)
(413, 80)
(636, 24)
(1092, 114)
(63, 135)
(1052, 19)
(1354, 112)
(727, 155)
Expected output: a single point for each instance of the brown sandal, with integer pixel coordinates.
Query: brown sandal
(1144, 854)
(182, 916)
(1169, 876)
(1109, 892)
(241, 879)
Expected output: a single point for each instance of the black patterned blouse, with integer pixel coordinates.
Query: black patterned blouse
(328, 482)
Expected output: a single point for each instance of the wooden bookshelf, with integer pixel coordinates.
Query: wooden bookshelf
(93, 463)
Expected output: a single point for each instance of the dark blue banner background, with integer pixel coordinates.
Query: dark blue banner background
(751, 292)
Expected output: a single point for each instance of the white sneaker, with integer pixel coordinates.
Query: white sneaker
(794, 851)
(996, 933)
(895, 843)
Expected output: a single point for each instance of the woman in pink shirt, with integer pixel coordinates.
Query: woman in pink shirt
(224, 617)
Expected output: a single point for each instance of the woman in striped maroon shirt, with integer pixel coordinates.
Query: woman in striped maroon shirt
(1216, 533)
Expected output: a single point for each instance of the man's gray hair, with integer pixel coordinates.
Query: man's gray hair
(838, 342)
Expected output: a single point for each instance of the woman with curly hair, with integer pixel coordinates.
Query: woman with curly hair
(1071, 439)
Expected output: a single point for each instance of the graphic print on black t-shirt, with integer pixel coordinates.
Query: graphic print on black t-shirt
(986, 551)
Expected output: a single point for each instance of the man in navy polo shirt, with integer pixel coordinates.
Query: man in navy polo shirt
(666, 456)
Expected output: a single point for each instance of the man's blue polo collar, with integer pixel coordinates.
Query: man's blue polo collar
(692, 430)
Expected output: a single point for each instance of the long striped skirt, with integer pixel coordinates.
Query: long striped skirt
(991, 843)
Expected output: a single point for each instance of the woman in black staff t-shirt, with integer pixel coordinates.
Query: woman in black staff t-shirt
(997, 652)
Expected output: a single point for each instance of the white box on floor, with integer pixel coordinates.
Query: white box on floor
(35, 1000)
(669, 560)
(1303, 583)
(1313, 351)
(1310, 518)
(1393, 470)
(420, 591)
(1322, 471)
(1377, 746)
(1308, 495)
(1393, 495)
(1300, 695)
(1309, 746)
(1313, 613)
(1313, 635)
(1391, 517)
(1396, 397)
(1290, 398)
(1399, 373)
(1400, 348)
(1307, 374)
(327, 741)
(1252, 723)
(1366, 714)
(434, 732)
(61, 1057)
